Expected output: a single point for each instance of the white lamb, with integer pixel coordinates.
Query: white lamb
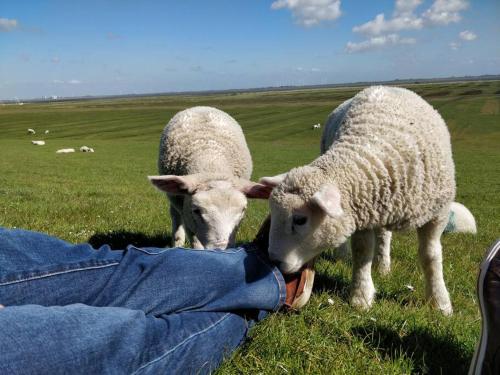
(206, 167)
(31, 131)
(38, 143)
(86, 149)
(460, 218)
(389, 167)
(65, 151)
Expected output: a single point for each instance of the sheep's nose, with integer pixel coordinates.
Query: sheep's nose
(220, 244)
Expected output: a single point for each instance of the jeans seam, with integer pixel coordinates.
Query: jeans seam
(233, 251)
(279, 278)
(58, 273)
(180, 344)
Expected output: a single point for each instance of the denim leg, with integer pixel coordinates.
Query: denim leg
(80, 339)
(39, 269)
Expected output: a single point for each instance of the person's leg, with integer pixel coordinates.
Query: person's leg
(39, 269)
(80, 339)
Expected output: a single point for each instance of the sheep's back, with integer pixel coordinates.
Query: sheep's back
(204, 139)
(399, 148)
(333, 124)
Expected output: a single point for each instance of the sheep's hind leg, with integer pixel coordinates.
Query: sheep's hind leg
(362, 288)
(178, 232)
(382, 259)
(429, 251)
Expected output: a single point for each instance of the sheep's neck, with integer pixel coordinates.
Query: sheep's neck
(359, 182)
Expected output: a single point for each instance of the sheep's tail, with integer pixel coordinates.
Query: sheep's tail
(460, 220)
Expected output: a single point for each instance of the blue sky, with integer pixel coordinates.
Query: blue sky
(69, 48)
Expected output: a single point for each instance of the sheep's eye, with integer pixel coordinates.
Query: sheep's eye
(299, 220)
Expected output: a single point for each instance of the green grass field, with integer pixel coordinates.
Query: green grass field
(105, 198)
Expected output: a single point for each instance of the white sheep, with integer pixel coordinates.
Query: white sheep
(38, 143)
(389, 167)
(47, 132)
(65, 151)
(206, 166)
(31, 131)
(460, 218)
(86, 149)
(316, 126)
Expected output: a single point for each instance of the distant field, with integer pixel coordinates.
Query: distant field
(105, 197)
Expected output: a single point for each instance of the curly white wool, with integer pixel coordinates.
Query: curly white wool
(206, 165)
(204, 140)
(389, 166)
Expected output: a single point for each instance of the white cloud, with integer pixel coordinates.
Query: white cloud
(406, 7)
(378, 42)
(311, 12)
(467, 35)
(307, 70)
(55, 60)
(443, 12)
(383, 30)
(454, 45)
(381, 26)
(7, 25)
(70, 82)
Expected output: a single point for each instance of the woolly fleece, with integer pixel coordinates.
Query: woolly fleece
(204, 140)
(390, 157)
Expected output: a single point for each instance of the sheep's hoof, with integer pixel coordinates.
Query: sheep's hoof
(442, 303)
(447, 310)
(362, 301)
(179, 242)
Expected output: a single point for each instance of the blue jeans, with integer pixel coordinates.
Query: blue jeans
(72, 309)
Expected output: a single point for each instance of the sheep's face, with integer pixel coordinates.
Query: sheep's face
(212, 208)
(302, 228)
(215, 214)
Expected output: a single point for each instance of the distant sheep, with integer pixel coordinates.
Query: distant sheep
(206, 167)
(38, 143)
(389, 167)
(31, 131)
(316, 126)
(65, 151)
(86, 149)
(47, 132)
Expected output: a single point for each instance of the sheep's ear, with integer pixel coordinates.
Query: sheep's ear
(174, 184)
(273, 181)
(329, 200)
(256, 190)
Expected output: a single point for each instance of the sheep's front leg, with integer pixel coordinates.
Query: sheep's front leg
(382, 259)
(195, 242)
(362, 288)
(431, 259)
(178, 232)
(342, 252)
